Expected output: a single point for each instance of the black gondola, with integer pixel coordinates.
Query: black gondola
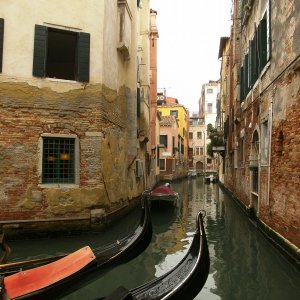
(184, 281)
(4, 248)
(104, 259)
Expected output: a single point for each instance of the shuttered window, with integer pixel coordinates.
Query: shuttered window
(262, 46)
(40, 51)
(242, 83)
(253, 60)
(1, 42)
(138, 102)
(83, 57)
(257, 57)
(61, 54)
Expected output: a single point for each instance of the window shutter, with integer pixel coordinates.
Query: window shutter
(263, 43)
(253, 61)
(1, 41)
(138, 102)
(246, 72)
(83, 57)
(269, 48)
(241, 84)
(40, 51)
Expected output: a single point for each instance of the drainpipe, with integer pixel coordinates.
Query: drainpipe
(270, 147)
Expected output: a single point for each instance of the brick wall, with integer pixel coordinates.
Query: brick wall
(28, 112)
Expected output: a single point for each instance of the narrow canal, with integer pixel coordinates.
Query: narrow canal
(243, 264)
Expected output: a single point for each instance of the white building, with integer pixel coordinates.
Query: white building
(208, 102)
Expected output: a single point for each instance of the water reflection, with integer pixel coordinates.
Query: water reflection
(243, 264)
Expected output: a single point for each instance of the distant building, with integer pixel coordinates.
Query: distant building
(208, 102)
(197, 142)
(168, 145)
(171, 107)
(208, 110)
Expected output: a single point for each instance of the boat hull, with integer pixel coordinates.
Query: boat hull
(184, 281)
(106, 258)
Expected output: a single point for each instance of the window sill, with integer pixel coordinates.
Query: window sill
(58, 185)
(254, 193)
(61, 80)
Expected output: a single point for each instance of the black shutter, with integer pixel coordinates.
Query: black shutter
(241, 84)
(138, 102)
(253, 62)
(40, 51)
(246, 76)
(262, 43)
(1, 41)
(83, 57)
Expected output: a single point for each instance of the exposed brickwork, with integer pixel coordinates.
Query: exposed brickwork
(275, 98)
(26, 113)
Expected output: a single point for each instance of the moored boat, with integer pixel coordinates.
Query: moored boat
(184, 281)
(163, 194)
(96, 262)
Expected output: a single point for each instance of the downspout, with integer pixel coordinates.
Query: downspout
(269, 150)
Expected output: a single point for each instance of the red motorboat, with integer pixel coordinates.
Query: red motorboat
(164, 194)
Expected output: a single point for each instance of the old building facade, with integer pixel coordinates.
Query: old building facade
(169, 106)
(197, 143)
(262, 116)
(72, 142)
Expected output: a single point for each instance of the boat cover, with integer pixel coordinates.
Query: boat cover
(25, 282)
(162, 190)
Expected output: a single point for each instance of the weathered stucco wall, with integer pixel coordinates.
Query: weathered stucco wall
(96, 116)
(21, 16)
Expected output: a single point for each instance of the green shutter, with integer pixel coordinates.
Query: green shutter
(269, 40)
(83, 57)
(241, 83)
(1, 41)
(246, 75)
(40, 51)
(262, 39)
(138, 102)
(253, 61)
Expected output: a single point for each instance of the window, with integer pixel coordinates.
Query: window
(199, 135)
(61, 54)
(209, 108)
(190, 135)
(254, 178)
(201, 150)
(242, 152)
(258, 55)
(174, 113)
(210, 91)
(197, 152)
(162, 164)
(264, 142)
(1, 42)
(58, 160)
(163, 139)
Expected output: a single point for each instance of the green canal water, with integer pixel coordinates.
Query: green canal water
(243, 264)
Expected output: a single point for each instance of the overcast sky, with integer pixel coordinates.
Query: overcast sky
(188, 45)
